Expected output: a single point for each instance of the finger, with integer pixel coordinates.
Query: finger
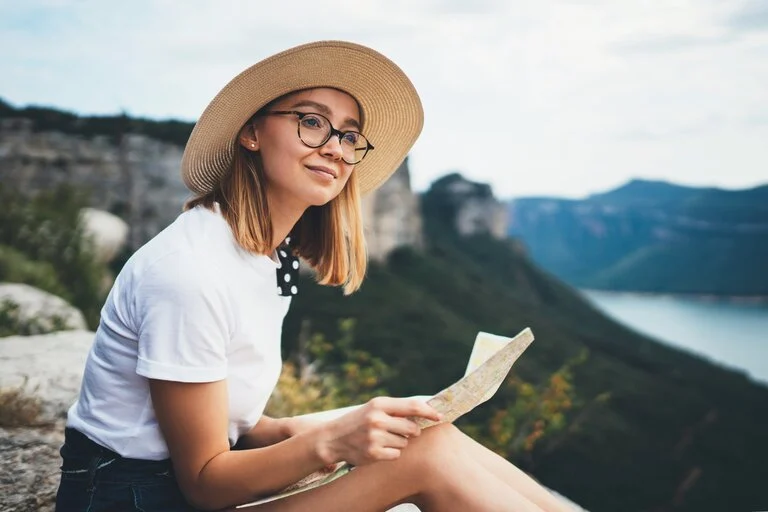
(379, 421)
(386, 453)
(403, 427)
(409, 407)
(389, 440)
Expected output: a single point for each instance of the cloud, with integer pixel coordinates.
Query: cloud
(707, 125)
(535, 96)
(671, 43)
(465, 7)
(716, 27)
(756, 119)
(751, 16)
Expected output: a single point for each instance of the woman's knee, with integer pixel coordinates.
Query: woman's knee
(435, 449)
(443, 434)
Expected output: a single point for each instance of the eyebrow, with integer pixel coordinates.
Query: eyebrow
(323, 109)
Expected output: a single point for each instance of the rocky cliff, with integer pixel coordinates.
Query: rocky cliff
(467, 207)
(137, 178)
(393, 215)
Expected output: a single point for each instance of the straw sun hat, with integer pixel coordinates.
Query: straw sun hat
(392, 116)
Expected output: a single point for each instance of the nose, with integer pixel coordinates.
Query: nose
(332, 148)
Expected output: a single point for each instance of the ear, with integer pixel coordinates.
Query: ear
(248, 137)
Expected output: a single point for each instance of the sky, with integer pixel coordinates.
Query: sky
(536, 97)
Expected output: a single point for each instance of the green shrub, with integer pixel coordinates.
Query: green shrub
(16, 267)
(327, 375)
(44, 233)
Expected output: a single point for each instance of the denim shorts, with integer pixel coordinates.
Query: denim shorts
(95, 479)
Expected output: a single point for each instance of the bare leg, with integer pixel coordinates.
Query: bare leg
(433, 472)
(508, 472)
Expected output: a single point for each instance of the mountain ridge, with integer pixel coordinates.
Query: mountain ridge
(651, 236)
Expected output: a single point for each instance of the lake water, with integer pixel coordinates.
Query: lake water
(731, 334)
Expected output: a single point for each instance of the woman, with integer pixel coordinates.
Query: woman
(188, 348)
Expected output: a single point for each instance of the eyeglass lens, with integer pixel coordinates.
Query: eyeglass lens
(315, 130)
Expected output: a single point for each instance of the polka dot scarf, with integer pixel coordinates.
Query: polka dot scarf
(287, 270)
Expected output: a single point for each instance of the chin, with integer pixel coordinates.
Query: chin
(321, 197)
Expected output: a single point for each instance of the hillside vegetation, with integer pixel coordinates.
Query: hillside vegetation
(651, 428)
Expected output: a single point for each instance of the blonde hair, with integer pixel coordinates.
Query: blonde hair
(329, 237)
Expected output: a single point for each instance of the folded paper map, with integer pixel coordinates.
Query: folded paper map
(489, 363)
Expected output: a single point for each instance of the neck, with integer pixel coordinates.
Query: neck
(285, 214)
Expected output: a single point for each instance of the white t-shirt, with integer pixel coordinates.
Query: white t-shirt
(189, 306)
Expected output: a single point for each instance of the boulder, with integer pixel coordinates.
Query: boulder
(50, 366)
(108, 232)
(47, 309)
(29, 467)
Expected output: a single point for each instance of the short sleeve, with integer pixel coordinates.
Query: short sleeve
(181, 318)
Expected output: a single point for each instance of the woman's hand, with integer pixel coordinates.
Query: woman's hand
(377, 431)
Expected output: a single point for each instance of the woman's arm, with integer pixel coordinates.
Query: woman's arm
(193, 419)
(268, 431)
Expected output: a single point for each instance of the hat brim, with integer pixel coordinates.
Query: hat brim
(391, 110)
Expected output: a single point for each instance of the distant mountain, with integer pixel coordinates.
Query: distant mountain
(651, 236)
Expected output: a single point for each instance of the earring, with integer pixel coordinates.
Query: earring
(253, 145)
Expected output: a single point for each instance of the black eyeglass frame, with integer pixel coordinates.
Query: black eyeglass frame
(333, 131)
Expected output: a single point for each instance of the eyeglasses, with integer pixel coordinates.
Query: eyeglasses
(316, 130)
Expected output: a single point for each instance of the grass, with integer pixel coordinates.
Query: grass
(20, 407)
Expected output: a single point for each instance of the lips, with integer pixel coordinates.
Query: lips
(323, 169)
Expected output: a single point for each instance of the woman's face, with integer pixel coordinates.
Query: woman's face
(299, 176)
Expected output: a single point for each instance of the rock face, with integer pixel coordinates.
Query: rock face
(29, 467)
(472, 206)
(46, 309)
(392, 215)
(49, 365)
(479, 212)
(135, 177)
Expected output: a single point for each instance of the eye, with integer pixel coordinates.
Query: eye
(351, 138)
(314, 122)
